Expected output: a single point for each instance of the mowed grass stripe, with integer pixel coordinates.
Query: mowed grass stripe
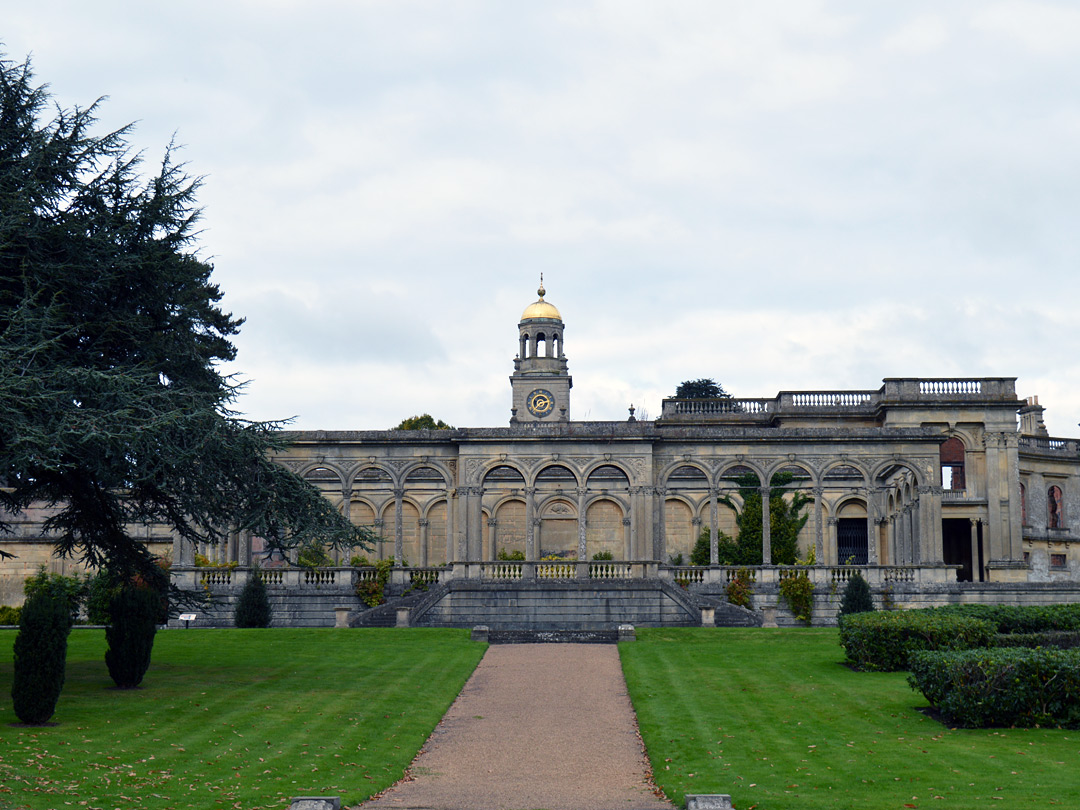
(774, 718)
(235, 718)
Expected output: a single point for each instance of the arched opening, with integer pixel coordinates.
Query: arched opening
(604, 531)
(952, 464)
(1055, 516)
(851, 534)
(436, 535)
(509, 535)
(558, 530)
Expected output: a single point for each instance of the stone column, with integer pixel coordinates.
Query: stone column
(530, 514)
(493, 538)
(871, 526)
(379, 524)
(475, 529)
(1012, 499)
(997, 540)
(537, 539)
(714, 527)
(819, 513)
(834, 542)
(424, 522)
(766, 527)
(451, 505)
(399, 535)
(628, 538)
(660, 537)
(696, 523)
(581, 532)
(930, 542)
(976, 569)
(890, 531)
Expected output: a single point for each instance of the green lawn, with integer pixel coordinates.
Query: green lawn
(773, 718)
(234, 719)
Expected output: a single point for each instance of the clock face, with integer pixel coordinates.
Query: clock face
(540, 402)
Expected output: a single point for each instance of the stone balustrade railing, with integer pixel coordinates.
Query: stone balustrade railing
(819, 574)
(895, 389)
(344, 580)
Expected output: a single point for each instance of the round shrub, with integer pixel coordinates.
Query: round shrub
(133, 615)
(856, 597)
(40, 655)
(253, 606)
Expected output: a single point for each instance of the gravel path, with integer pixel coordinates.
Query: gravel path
(536, 726)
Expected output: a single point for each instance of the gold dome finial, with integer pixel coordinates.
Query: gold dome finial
(541, 310)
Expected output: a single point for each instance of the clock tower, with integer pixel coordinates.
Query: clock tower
(540, 382)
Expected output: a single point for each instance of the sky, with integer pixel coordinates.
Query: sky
(781, 196)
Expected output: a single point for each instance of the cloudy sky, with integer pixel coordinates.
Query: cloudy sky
(781, 195)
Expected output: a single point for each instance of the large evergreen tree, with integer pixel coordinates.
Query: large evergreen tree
(112, 404)
(786, 520)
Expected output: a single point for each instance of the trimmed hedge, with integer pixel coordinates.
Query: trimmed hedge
(882, 641)
(1000, 687)
(1018, 618)
(1058, 639)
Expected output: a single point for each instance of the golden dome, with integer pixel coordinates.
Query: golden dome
(541, 309)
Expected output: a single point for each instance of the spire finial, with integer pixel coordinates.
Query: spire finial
(540, 292)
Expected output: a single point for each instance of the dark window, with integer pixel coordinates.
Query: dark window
(1057, 560)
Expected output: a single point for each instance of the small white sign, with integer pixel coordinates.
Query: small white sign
(187, 617)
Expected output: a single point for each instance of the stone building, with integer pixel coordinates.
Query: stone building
(930, 483)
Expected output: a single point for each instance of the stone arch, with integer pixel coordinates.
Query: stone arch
(604, 530)
(371, 478)
(426, 473)
(839, 470)
(729, 470)
(410, 530)
(323, 474)
(680, 529)
(684, 467)
(509, 535)
(503, 475)
(436, 514)
(606, 472)
(802, 472)
(558, 475)
(885, 470)
(558, 529)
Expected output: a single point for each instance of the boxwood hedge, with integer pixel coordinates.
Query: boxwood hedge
(1018, 618)
(882, 641)
(1000, 687)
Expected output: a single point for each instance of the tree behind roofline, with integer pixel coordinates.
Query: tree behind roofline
(424, 421)
(705, 388)
(112, 405)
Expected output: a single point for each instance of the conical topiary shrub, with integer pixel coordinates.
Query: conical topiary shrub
(857, 597)
(253, 607)
(133, 622)
(40, 655)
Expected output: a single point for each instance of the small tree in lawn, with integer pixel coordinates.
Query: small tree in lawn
(133, 615)
(253, 607)
(40, 656)
(857, 598)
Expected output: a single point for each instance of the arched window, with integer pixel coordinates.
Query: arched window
(1055, 519)
(952, 464)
